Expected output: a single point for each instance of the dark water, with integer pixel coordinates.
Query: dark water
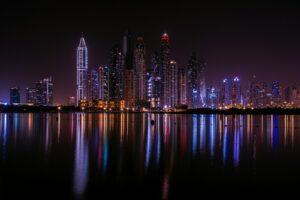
(108, 156)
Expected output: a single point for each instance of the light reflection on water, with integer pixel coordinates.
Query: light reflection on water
(133, 148)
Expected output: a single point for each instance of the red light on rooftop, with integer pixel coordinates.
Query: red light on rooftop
(165, 37)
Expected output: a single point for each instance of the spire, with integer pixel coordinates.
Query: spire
(82, 41)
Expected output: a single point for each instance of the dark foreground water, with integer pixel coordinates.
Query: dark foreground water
(125, 156)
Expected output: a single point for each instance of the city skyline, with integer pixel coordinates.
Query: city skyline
(238, 44)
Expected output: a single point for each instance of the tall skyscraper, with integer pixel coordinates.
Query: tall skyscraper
(14, 95)
(236, 96)
(182, 86)
(82, 70)
(154, 82)
(257, 94)
(103, 82)
(116, 71)
(173, 83)
(226, 92)
(128, 77)
(164, 70)
(196, 92)
(93, 84)
(276, 93)
(31, 95)
(44, 92)
(140, 70)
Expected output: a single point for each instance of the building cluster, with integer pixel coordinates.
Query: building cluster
(128, 82)
(40, 95)
(256, 94)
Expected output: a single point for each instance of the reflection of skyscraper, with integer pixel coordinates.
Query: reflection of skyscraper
(81, 165)
(196, 92)
(14, 95)
(82, 67)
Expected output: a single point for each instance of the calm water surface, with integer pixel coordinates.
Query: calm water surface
(107, 156)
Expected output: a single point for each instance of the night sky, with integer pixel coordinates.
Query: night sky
(244, 39)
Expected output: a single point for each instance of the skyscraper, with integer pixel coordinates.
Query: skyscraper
(140, 70)
(173, 83)
(196, 92)
(128, 77)
(44, 92)
(226, 92)
(31, 95)
(14, 95)
(154, 82)
(93, 84)
(164, 70)
(82, 67)
(103, 82)
(182, 86)
(116, 74)
(236, 95)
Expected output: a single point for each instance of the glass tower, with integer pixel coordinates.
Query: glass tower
(82, 67)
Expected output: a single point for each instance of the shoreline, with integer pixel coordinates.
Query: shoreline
(71, 109)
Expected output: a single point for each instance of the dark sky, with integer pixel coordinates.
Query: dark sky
(40, 39)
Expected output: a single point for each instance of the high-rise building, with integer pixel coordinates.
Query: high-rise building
(173, 83)
(226, 92)
(196, 92)
(44, 92)
(103, 82)
(82, 70)
(164, 71)
(140, 70)
(212, 97)
(182, 86)
(128, 77)
(276, 93)
(236, 96)
(93, 84)
(154, 82)
(14, 95)
(257, 94)
(30, 95)
(116, 71)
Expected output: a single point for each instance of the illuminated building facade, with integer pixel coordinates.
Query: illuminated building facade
(182, 86)
(196, 92)
(103, 82)
(236, 96)
(44, 92)
(93, 84)
(164, 62)
(116, 70)
(128, 76)
(82, 70)
(173, 79)
(140, 70)
(15, 95)
(30, 95)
